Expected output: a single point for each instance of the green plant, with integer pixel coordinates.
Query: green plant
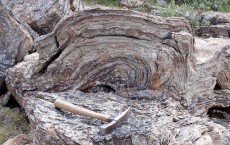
(111, 3)
(12, 123)
(186, 11)
(215, 5)
(173, 10)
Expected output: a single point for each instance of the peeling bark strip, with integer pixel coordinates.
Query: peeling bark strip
(15, 42)
(42, 15)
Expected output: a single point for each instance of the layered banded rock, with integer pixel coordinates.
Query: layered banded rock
(42, 15)
(119, 50)
(216, 31)
(15, 43)
(155, 120)
(223, 78)
(107, 60)
(210, 82)
(220, 25)
(216, 17)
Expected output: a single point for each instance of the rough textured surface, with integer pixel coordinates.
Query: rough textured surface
(216, 17)
(155, 120)
(206, 90)
(220, 25)
(121, 50)
(221, 31)
(12, 123)
(21, 139)
(42, 15)
(5, 98)
(15, 42)
(130, 3)
(107, 60)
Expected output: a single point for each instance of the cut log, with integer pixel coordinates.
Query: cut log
(43, 15)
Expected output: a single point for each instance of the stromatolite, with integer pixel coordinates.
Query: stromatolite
(120, 50)
(123, 57)
(154, 121)
(208, 83)
(42, 15)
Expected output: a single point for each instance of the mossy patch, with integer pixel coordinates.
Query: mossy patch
(12, 123)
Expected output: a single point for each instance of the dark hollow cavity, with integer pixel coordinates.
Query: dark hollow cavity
(219, 112)
(3, 88)
(217, 86)
(12, 103)
(99, 88)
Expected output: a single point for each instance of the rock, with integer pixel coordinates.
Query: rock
(208, 82)
(107, 60)
(19, 140)
(206, 50)
(216, 17)
(140, 55)
(151, 121)
(223, 79)
(5, 98)
(42, 15)
(161, 2)
(130, 3)
(220, 25)
(216, 31)
(16, 42)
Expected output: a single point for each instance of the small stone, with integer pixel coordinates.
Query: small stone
(130, 3)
